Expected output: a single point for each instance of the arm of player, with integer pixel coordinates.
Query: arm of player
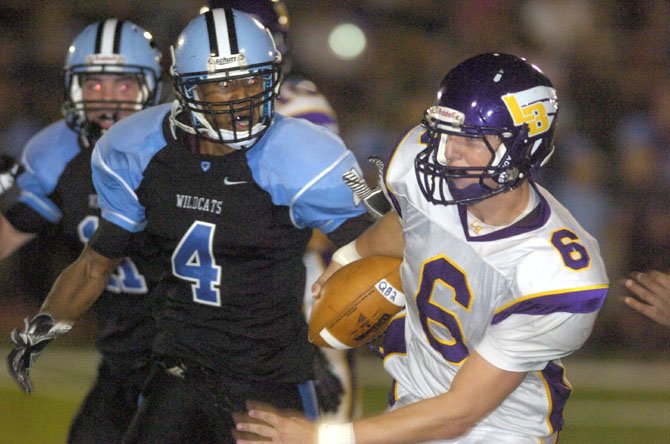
(11, 239)
(478, 388)
(79, 286)
(383, 238)
(652, 295)
(74, 291)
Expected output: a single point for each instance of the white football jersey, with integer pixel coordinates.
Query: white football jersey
(522, 296)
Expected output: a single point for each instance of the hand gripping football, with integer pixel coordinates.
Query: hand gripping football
(357, 302)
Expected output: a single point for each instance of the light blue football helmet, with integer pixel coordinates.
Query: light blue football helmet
(110, 46)
(224, 44)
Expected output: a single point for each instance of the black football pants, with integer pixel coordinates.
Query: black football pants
(110, 405)
(196, 406)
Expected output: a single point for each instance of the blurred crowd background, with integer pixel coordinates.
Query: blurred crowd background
(610, 62)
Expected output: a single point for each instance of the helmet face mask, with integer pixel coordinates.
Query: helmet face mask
(488, 95)
(109, 49)
(223, 45)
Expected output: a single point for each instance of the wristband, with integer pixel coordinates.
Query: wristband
(347, 254)
(337, 433)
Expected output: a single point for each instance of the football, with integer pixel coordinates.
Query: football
(357, 302)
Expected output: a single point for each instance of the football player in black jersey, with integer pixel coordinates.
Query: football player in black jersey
(112, 70)
(230, 192)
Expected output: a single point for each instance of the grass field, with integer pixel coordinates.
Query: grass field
(614, 402)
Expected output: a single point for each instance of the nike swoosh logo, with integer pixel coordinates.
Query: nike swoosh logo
(227, 181)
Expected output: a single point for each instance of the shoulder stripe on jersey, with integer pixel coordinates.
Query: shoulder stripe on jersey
(117, 37)
(116, 176)
(579, 300)
(312, 182)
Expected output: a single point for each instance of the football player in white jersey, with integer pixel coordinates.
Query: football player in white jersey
(501, 281)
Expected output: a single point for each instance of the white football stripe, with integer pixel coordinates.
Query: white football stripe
(108, 33)
(221, 28)
(332, 341)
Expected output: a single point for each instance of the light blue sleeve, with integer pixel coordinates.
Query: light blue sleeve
(44, 158)
(301, 166)
(118, 164)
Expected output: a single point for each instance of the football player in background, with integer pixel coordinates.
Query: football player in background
(230, 192)
(505, 281)
(112, 70)
(334, 378)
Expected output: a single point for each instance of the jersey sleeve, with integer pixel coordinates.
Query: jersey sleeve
(301, 165)
(552, 312)
(326, 201)
(43, 160)
(118, 162)
(528, 342)
(115, 183)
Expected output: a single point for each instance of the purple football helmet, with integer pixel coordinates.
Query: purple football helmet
(490, 94)
(271, 13)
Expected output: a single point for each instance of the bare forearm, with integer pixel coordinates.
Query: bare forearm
(79, 286)
(478, 388)
(428, 420)
(384, 238)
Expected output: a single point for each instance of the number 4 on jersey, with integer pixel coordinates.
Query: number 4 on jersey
(193, 260)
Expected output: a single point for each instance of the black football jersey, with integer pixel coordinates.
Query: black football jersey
(232, 231)
(57, 197)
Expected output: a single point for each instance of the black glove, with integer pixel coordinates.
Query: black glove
(329, 388)
(29, 344)
(9, 169)
(373, 199)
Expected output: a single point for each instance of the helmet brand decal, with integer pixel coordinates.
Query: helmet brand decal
(223, 62)
(532, 107)
(448, 115)
(105, 59)
(205, 165)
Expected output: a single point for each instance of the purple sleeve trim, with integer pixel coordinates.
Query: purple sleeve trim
(578, 301)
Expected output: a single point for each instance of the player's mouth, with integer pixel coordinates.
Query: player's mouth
(106, 120)
(241, 122)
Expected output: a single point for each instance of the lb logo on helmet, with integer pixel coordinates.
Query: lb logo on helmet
(533, 108)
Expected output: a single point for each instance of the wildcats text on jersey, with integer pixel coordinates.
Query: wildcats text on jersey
(199, 203)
